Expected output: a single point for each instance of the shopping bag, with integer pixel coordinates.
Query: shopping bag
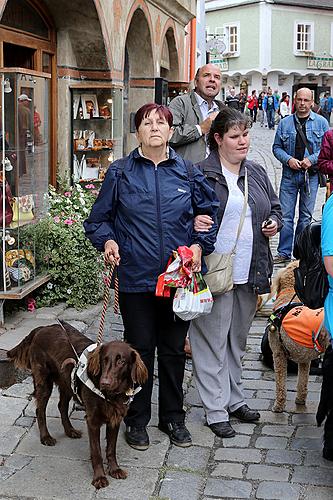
(194, 300)
(178, 273)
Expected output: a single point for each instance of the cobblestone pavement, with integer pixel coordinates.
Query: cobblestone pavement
(279, 457)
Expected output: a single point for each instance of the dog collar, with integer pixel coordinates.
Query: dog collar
(80, 372)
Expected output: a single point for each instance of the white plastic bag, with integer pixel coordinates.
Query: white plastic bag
(193, 301)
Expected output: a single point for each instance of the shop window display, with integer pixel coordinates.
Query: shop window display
(97, 131)
(24, 179)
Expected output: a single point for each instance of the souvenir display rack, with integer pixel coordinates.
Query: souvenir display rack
(96, 130)
(24, 178)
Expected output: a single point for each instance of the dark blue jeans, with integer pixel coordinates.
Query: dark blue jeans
(270, 113)
(293, 185)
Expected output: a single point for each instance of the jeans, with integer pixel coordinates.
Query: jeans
(261, 117)
(253, 114)
(293, 185)
(270, 113)
(149, 324)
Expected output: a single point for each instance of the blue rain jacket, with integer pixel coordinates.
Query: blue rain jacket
(149, 212)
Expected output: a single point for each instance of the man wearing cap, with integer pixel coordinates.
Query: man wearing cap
(24, 127)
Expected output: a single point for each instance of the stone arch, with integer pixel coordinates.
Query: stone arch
(83, 42)
(169, 67)
(82, 38)
(138, 67)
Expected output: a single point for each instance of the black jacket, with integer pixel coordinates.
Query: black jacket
(264, 204)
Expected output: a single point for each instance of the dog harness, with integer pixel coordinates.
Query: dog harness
(303, 325)
(80, 372)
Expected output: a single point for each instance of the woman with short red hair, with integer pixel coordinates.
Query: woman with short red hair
(144, 211)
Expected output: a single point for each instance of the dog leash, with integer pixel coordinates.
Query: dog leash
(107, 278)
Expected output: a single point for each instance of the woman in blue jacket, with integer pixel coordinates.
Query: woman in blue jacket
(144, 211)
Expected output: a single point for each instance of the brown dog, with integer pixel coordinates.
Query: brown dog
(113, 368)
(285, 347)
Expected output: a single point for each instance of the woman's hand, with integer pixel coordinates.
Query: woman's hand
(111, 252)
(203, 223)
(269, 228)
(196, 259)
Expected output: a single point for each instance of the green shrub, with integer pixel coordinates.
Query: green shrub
(64, 252)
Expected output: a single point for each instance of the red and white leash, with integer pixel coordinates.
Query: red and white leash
(107, 282)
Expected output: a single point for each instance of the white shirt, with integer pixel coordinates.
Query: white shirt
(284, 109)
(205, 111)
(227, 233)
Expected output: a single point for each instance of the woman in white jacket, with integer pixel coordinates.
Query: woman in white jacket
(285, 106)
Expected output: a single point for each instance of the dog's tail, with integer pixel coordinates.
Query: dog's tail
(20, 354)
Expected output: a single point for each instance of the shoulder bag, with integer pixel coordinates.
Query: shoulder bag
(219, 276)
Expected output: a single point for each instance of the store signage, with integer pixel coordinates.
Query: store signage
(221, 63)
(320, 63)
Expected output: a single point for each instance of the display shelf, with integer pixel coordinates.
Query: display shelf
(96, 130)
(19, 292)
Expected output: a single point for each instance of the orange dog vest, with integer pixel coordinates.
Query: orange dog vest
(303, 324)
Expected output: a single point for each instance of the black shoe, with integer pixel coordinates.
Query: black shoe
(245, 414)
(177, 432)
(137, 437)
(222, 429)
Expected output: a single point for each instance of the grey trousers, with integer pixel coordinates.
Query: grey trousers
(218, 342)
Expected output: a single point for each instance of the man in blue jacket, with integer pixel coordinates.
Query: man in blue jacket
(297, 145)
(270, 105)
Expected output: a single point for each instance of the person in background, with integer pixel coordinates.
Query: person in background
(252, 104)
(232, 101)
(194, 112)
(270, 106)
(277, 95)
(327, 253)
(284, 107)
(25, 125)
(324, 106)
(218, 339)
(37, 123)
(242, 101)
(299, 180)
(325, 158)
(144, 211)
(261, 112)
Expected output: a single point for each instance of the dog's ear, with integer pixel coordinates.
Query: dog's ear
(94, 361)
(139, 372)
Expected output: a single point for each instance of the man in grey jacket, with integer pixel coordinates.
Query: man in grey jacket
(194, 112)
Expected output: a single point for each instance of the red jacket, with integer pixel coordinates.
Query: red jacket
(325, 160)
(252, 102)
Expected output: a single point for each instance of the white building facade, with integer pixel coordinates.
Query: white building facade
(278, 43)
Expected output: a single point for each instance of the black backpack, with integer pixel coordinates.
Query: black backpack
(311, 282)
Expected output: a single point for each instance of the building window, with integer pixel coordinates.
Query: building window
(303, 37)
(231, 32)
(331, 39)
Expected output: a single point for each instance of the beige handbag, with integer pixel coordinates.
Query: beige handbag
(219, 277)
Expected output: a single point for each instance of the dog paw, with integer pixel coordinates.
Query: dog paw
(118, 473)
(100, 482)
(278, 408)
(74, 434)
(300, 401)
(48, 441)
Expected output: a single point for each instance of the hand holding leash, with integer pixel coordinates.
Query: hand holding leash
(111, 253)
